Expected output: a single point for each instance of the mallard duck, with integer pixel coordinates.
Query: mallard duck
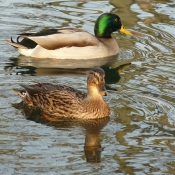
(65, 101)
(73, 43)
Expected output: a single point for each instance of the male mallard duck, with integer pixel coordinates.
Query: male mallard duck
(73, 43)
(64, 101)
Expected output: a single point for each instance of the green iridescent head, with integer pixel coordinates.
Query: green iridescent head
(108, 23)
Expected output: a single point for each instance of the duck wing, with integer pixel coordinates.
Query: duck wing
(40, 88)
(55, 99)
(28, 43)
(57, 102)
(64, 37)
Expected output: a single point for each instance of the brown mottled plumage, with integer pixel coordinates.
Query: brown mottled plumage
(64, 101)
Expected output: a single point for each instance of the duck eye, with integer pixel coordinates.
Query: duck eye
(116, 20)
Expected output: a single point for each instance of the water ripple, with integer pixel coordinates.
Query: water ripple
(139, 138)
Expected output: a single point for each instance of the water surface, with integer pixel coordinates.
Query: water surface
(138, 138)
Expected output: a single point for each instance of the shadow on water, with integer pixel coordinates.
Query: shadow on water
(93, 127)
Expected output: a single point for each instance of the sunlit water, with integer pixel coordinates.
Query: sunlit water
(138, 138)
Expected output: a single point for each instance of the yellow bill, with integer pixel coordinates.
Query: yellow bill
(126, 32)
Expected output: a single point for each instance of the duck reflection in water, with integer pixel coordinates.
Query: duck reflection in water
(112, 75)
(93, 127)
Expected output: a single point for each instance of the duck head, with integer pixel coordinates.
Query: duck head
(96, 82)
(108, 23)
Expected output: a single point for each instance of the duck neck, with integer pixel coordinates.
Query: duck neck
(102, 33)
(93, 92)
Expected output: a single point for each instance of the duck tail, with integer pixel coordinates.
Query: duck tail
(16, 45)
(21, 93)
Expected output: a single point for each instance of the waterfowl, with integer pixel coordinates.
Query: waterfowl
(65, 101)
(73, 43)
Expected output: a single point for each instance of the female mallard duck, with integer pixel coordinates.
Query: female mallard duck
(64, 101)
(73, 43)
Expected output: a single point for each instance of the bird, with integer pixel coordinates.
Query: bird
(73, 43)
(64, 101)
